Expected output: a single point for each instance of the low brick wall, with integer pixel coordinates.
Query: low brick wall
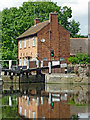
(82, 70)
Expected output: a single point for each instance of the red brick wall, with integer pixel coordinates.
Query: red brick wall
(64, 45)
(56, 38)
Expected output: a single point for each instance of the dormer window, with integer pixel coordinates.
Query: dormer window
(33, 41)
(24, 43)
(20, 43)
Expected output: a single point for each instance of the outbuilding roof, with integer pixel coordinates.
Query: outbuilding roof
(78, 45)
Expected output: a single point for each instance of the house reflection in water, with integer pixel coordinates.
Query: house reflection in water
(45, 105)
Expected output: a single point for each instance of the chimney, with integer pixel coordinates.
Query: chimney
(53, 17)
(37, 20)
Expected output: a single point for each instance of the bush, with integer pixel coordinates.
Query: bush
(80, 58)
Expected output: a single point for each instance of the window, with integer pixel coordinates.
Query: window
(20, 62)
(33, 41)
(20, 110)
(27, 100)
(24, 61)
(29, 42)
(25, 113)
(45, 59)
(41, 100)
(37, 103)
(29, 113)
(20, 43)
(33, 59)
(43, 118)
(24, 43)
(33, 115)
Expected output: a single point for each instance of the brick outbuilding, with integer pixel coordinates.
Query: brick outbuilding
(40, 39)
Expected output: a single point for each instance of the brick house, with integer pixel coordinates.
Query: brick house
(40, 39)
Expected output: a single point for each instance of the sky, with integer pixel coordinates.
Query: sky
(79, 10)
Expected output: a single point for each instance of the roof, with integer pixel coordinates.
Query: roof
(78, 45)
(33, 29)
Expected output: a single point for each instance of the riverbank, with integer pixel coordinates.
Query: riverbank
(65, 78)
(53, 78)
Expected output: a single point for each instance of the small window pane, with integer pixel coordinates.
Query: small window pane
(20, 62)
(33, 41)
(33, 59)
(20, 43)
(25, 112)
(27, 100)
(24, 61)
(25, 43)
(20, 110)
(29, 42)
(33, 115)
(29, 113)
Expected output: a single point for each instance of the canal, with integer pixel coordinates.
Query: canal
(38, 100)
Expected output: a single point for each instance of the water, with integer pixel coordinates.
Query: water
(56, 101)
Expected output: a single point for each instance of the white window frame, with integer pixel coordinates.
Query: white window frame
(20, 110)
(24, 61)
(29, 114)
(20, 62)
(33, 59)
(20, 43)
(29, 42)
(25, 112)
(33, 115)
(41, 100)
(33, 41)
(27, 101)
(24, 43)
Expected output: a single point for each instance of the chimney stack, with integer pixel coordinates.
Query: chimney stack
(37, 20)
(53, 17)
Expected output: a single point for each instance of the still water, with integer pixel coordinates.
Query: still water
(43, 101)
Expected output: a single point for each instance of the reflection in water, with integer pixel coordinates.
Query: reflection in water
(45, 101)
(47, 105)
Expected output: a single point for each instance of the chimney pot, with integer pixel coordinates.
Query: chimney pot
(36, 21)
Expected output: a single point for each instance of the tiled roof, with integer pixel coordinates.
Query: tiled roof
(33, 30)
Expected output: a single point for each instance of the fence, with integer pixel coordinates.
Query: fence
(34, 64)
(8, 64)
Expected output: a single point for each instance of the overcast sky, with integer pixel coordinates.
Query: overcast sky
(79, 10)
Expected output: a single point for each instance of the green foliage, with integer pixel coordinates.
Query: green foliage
(73, 27)
(80, 36)
(17, 20)
(80, 58)
(9, 111)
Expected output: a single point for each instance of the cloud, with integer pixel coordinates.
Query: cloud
(10, 3)
(79, 9)
(79, 12)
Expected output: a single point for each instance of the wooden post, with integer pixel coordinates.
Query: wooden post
(10, 101)
(27, 64)
(41, 63)
(27, 74)
(10, 64)
(37, 63)
(49, 65)
(5, 73)
(10, 73)
(49, 99)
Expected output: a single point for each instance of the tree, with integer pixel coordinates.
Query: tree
(73, 27)
(17, 20)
